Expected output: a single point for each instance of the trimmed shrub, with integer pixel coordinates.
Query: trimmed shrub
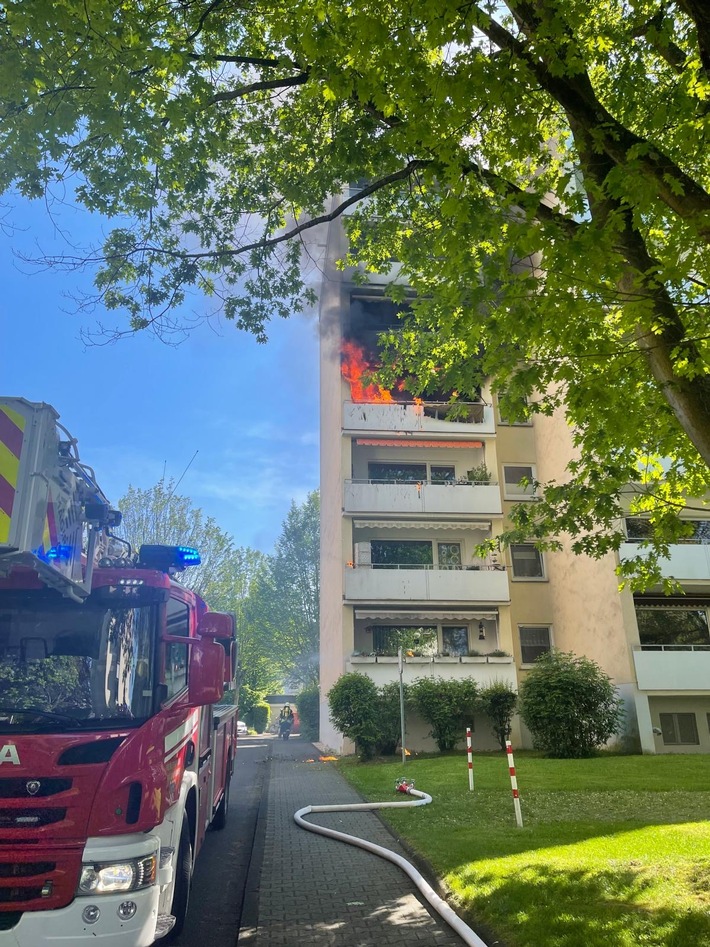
(570, 705)
(447, 705)
(354, 711)
(258, 717)
(498, 702)
(308, 704)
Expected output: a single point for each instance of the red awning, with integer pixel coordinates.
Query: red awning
(411, 442)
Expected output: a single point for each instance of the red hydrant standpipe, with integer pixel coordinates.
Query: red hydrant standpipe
(403, 785)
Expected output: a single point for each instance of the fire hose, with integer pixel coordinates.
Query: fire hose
(468, 935)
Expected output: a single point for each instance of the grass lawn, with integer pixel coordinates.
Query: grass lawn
(614, 852)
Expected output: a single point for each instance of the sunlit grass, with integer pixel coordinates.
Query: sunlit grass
(614, 852)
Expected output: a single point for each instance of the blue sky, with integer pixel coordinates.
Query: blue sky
(139, 407)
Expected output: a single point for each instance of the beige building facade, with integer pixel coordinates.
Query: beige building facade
(409, 490)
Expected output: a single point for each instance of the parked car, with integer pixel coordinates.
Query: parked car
(242, 729)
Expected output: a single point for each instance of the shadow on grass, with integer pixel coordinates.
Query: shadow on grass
(547, 907)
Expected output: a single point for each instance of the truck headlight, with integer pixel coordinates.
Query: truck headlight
(115, 877)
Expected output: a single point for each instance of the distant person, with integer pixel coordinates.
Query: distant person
(286, 718)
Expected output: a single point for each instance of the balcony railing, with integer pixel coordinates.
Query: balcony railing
(458, 498)
(427, 417)
(406, 582)
(672, 667)
(687, 561)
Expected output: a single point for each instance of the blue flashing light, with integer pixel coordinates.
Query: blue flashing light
(59, 554)
(168, 558)
(187, 556)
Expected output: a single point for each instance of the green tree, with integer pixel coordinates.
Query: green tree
(285, 599)
(540, 170)
(498, 701)
(569, 705)
(448, 706)
(159, 515)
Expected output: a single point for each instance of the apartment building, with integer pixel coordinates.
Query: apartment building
(409, 489)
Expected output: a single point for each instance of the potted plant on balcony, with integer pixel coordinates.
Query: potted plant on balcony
(499, 657)
(473, 657)
(445, 657)
(479, 474)
(362, 657)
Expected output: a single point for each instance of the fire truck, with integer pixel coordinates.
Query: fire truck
(117, 743)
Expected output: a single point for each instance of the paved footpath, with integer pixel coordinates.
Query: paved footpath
(304, 889)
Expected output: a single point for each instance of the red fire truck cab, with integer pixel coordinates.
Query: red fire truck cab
(116, 745)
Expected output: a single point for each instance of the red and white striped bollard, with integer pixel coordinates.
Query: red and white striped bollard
(470, 759)
(514, 783)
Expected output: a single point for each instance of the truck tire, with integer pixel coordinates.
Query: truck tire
(220, 817)
(183, 882)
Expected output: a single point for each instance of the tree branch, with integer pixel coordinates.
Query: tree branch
(576, 95)
(239, 93)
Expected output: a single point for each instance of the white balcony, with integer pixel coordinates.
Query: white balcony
(687, 561)
(402, 419)
(483, 674)
(457, 499)
(432, 584)
(670, 669)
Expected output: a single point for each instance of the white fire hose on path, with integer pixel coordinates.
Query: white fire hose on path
(468, 935)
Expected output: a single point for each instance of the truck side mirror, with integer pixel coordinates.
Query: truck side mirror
(216, 625)
(205, 681)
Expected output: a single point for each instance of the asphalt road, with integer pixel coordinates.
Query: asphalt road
(218, 889)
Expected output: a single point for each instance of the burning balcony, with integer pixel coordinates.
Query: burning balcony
(408, 417)
(374, 408)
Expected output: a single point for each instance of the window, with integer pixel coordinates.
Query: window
(527, 561)
(454, 639)
(397, 472)
(679, 729)
(534, 642)
(695, 532)
(522, 414)
(519, 481)
(443, 474)
(449, 555)
(386, 639)
(176, 655)
(672, 626)
(401, 554)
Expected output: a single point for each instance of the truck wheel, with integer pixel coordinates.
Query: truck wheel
(183, 881)
(220, 817)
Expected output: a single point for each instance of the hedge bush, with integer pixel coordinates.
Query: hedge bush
(308, 704)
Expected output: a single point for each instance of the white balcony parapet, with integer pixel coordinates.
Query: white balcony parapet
(673, 667)
(426, 584)
(458, 499)
(484, 674)
(687, 561)
(409, 418)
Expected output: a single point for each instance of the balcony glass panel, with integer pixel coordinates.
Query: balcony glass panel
(672, 626)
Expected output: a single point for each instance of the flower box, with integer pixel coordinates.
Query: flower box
(500, 659)
(387, 659)
(446, 659)
(473, 659)
(362, 658)
(422, 659)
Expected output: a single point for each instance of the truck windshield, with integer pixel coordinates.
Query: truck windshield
(77, 665)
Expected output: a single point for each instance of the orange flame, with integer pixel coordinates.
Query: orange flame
(354, 365)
